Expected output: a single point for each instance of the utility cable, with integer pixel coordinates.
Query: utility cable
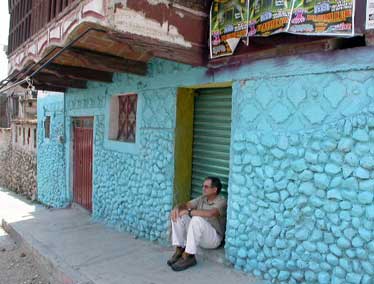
(4, 88)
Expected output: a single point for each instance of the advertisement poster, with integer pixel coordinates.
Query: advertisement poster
(328, 17)
(228, 24)
(369, 15)
(267, 17)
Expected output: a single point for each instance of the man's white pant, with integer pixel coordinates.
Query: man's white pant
(190, 233)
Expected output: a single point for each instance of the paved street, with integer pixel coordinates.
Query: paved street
(75, 250)
(16, 265)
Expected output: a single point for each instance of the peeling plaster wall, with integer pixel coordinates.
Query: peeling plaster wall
(162, 20)
(200, 5)
(128, 20)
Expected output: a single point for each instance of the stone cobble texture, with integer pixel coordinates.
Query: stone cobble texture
(301, 191)
(5, 146)
(51, 153)
(134, 191)
(22, 178)
(301, 181)
(17, 166)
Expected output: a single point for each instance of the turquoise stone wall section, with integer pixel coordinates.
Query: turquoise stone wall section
(132, 191)
(301, 183)
(301, 171)
(51, 152)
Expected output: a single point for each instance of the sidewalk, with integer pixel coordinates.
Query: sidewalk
(73, 250)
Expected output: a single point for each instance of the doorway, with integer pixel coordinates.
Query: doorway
(82, 161)
(211, 137)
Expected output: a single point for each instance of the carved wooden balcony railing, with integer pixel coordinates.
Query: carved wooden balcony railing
(27, 17)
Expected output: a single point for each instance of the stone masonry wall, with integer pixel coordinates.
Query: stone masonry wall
(301, 184)
(133, 191)
(300, 192)
(17, 163)
(51, 153)
(5, 140)
(22, 178)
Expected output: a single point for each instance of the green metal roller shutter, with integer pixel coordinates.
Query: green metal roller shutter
(211, 137)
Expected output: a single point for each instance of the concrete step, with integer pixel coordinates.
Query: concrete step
(214, 255)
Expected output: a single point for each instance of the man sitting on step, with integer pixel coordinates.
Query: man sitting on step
(199, 222)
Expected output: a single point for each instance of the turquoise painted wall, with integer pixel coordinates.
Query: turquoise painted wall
(132, 186)
(301, 182)
(51, 152)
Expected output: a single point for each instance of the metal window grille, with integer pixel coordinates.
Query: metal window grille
(127, 118)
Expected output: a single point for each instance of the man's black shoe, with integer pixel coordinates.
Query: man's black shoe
(177, 255)
(186, 261)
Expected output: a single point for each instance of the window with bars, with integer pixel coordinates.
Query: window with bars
(28, 136)
(35, 137)
(47, 127)
(123, 118)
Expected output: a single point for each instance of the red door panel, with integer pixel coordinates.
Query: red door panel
(83, 147)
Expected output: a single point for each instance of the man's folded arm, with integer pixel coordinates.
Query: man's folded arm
(206, 213)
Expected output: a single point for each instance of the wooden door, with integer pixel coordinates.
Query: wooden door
(82, 161)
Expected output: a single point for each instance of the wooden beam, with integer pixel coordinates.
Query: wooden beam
(78, 73)
(263, 48)
(44, 87)
(49, 88)
(84, 58)
(51, 80)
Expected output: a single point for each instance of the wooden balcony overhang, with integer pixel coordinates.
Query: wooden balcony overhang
(123, 41)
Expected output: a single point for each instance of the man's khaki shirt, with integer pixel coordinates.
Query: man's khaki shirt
(218, 223)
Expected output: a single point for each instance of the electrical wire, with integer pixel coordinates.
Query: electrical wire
(4, 89)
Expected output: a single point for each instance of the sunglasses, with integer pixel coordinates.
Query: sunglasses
(206, 186)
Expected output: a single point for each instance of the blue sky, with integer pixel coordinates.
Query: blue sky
(4, 30)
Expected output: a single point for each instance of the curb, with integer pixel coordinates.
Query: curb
(52, 267)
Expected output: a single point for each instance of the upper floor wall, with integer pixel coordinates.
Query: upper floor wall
(90, 40)
(132, 30)
(27, 17)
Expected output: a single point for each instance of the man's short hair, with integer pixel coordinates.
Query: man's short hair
(215, 182)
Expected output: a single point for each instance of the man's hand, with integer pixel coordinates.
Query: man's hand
(176, 213)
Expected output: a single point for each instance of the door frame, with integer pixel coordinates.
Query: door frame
(71, 158)
(183, 145)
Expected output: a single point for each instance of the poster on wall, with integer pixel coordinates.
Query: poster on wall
(267, 17)
(323, 17)
(369, 15)
(228, 25)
